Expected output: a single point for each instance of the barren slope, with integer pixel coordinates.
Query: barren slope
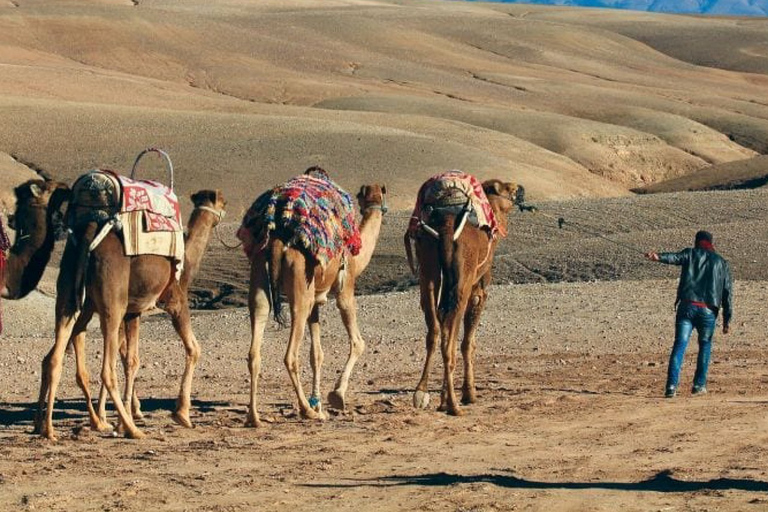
(572, 105)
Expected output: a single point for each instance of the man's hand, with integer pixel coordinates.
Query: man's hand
(726, 329)
(653, 256)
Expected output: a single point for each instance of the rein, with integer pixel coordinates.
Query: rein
(220, 214)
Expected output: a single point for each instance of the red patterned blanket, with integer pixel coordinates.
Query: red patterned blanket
(158, 202)
(441, 190)
(310, 213)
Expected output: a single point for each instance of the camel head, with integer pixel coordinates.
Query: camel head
(36, 221)
(372, 197)
(210, 200)
(502, 195)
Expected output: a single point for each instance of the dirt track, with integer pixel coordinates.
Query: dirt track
(570, 415)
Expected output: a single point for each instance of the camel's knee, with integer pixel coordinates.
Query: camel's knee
(254, 361)
(358, 347)
(108, 379)
(291, 363)
(193, 353)
(132, 364)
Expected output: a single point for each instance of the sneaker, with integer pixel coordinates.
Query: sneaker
(671, 392)
(699, 390)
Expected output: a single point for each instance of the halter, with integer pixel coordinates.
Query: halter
(218, 213)
(382, 207)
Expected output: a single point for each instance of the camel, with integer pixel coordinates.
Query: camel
(306, 284)
(118, 287)
(454, 275)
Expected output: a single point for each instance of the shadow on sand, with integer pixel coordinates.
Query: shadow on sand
(24, 413)
(661, 482)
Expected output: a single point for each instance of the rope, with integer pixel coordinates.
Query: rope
(222, 242)
(580, 227)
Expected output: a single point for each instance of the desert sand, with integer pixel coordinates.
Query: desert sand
(584, 107)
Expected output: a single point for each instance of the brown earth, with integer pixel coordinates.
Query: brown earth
(581, 106)
(570, 379)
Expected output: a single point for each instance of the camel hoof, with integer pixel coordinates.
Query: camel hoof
(456, 411)
(252, 421)
(311, 414)
(468, 399)
(135, 434)
(49, 435)
(182, 419)
(336, 400)
(102, 426)
(421, 399)
(137, 414)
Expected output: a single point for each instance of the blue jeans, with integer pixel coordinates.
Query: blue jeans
(688, 317)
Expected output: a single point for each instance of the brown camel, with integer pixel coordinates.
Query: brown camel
(306, 285)
(117, 287)
(454, 276)
(207, 213)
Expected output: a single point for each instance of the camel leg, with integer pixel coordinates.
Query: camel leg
(428, 305)
(258, 305)
(136, 406)
(300, 298)
(316, 355)
(449, 334)
(183, 325)
(52, 365)
(110, 328)
(468, 344)
(129, 353)
(83, 378)
(348, 308)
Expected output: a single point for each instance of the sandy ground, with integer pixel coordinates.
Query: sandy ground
(570, 415)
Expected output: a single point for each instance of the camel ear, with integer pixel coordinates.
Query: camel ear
(36, 190)
(383, 189)
(363, 191)
(493, 187)
(56, 211)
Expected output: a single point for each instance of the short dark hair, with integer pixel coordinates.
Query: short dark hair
(703, 235)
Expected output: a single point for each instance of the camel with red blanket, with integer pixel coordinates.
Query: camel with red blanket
(97, 276)
(456, 226)
(303, 241)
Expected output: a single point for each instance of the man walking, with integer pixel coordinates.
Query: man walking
(705, 287)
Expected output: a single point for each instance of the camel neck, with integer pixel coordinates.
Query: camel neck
(201, 224)
(370, 228)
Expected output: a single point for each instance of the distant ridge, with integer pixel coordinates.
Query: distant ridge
(712, 7)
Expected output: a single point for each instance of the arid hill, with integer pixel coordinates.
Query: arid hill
(571, 103)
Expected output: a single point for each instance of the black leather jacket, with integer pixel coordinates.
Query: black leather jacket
(705, 277)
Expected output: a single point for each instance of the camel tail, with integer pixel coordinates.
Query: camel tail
(274, 270)
(82, 259)
(448, 299)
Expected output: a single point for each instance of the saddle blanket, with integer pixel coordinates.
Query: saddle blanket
(310, 213)
(454, 188)
(148, 212)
